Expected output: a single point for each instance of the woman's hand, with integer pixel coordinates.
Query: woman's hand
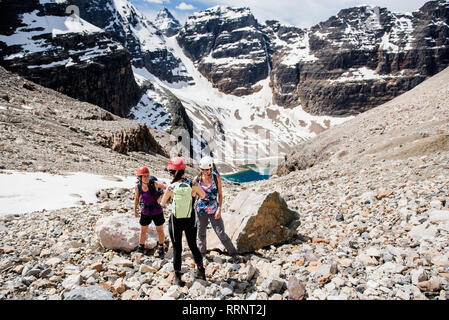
(218, 214)
(136, 214)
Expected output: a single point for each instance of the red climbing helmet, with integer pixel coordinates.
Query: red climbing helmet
(176, 164)
(141, 171)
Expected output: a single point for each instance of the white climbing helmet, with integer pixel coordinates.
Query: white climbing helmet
(206, 163)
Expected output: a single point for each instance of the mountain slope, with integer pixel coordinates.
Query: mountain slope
(68, 54)
(45, 131)
(414, 124)
(233, 84)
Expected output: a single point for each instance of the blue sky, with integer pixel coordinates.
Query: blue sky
(304, 13)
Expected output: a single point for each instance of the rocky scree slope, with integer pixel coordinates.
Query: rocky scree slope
(371, 229)
(43, 130)
(412, 125)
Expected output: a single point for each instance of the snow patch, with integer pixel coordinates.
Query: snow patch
(360, 74)
(34, 191)
(29, 37)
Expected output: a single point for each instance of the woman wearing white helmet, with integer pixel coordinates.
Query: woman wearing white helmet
(209, 207)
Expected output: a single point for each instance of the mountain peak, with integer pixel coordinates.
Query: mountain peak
(167, 23)
(165, 13)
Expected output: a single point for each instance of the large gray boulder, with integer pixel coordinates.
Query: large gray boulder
(120, 232)
(88, 293)
(256, 220)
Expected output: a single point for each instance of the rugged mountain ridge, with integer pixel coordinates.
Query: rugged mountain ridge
(68, 54)
(346, 65)
(227, 47)
(360, 58)
(381, 55)
(138, 34)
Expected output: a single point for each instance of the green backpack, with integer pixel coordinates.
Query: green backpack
(182, 201)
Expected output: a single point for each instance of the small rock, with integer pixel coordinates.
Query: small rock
(418, 276)
(326, 269)
(71, 282)
(119, 285)
(403, 295)
(53, 261)
(227, 291)
(373, 252)
(367, 260)
(18, 269)
(45, 273)
(432, 285)
(130, 295)
(88, 293)
(296, 288)
(272, 284)
(97, 266)
(145, 269)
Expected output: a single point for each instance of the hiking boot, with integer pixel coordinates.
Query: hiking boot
(206, 256)
(141, 248)
(177, 280)
(160, 250)
(235, 259)
(201, 273)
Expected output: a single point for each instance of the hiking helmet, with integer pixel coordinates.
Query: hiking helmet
(141, 171)
(206, 163)
(176, 164)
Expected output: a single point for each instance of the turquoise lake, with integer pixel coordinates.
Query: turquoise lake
(249, 173)
(245, 176)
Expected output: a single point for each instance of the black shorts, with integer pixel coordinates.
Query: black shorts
(146, 220)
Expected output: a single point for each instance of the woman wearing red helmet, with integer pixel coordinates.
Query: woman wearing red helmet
(182, 217)
(147, 193)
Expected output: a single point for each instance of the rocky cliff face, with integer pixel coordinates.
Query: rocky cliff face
(358, 59)
(354, 61)
(409, 126)
(227, 47)
(136, 33)
(68, 54)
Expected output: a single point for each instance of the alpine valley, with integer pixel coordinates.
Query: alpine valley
(236, 85)
(350, 117)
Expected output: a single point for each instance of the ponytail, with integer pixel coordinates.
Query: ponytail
(177, 175)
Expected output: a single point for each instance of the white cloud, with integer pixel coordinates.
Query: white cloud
(185, 6)
(306, 13)
(155, 1)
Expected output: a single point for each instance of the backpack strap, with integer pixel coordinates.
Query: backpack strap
(215, 175)
(139, 187)
(193, 204)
